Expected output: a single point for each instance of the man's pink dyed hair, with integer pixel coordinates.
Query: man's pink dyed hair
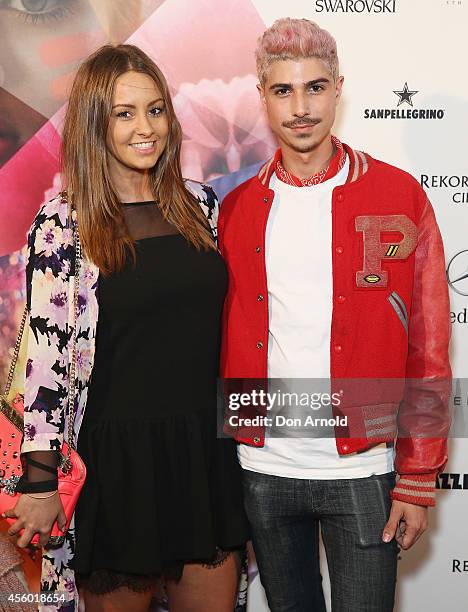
(290, 39)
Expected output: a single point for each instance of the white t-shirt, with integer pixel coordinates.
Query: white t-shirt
(300, 293)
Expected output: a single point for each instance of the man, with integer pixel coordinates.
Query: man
(336, 271)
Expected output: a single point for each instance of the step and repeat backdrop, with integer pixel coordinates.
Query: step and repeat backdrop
(405, 101)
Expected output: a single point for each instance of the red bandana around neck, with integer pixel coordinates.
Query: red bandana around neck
(336, 164)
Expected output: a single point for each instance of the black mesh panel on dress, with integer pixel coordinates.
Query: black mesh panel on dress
(145, 220)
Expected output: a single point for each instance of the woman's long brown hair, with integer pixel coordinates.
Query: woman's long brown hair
(103, 232)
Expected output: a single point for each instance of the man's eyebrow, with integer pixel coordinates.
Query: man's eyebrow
(280, 86)
(133, 106)
(318, 81)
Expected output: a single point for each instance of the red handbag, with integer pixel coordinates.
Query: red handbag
(71, 469)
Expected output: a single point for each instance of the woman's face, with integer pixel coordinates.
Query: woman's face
(138, 127)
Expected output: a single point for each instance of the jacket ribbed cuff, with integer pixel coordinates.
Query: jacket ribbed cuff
(418, 489)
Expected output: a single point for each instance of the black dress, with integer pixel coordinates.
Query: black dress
(161, 488)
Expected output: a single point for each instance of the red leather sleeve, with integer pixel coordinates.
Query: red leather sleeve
(424, 415)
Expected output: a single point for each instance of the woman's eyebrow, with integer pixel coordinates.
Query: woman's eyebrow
(133, 106)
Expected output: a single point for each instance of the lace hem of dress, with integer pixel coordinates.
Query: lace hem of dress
(99, 582)
(104, 581)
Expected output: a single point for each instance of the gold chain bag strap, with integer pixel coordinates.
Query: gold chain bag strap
(71, 470)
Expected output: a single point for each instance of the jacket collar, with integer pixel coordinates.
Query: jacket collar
(359, 164)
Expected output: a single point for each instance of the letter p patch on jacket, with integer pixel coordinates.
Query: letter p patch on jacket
(376, 251)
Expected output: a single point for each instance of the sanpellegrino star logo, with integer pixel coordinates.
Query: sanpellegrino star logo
(355, 6)
(405, 95)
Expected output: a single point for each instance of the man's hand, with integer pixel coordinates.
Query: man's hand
(407, 523)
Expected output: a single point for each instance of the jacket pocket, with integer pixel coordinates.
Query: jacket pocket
(400, 308)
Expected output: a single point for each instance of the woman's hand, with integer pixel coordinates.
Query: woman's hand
(36, 515)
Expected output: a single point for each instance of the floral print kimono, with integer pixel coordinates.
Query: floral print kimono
(49, 280)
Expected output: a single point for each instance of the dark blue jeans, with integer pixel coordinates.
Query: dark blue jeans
(285, 514)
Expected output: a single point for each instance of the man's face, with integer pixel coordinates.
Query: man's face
(300, 98)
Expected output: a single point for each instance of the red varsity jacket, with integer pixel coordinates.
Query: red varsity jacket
(390, 318)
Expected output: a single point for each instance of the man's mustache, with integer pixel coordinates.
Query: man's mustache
(301, 122)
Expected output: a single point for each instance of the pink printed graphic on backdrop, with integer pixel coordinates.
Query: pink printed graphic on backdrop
(224, 129)
(68, 50)
(23, 180)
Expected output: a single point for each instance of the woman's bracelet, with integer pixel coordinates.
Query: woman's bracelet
(35, 495)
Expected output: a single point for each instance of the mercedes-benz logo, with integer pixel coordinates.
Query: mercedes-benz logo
(457, 273)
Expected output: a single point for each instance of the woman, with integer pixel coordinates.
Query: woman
(162, 494)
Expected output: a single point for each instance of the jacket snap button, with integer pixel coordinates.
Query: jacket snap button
(265, 199)
(260, 298)
(338, 348)
(341, 299)
(257, 249)
(340, 197)
(339, 250)
(259, 345)
(345, 447)
(256, 440)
